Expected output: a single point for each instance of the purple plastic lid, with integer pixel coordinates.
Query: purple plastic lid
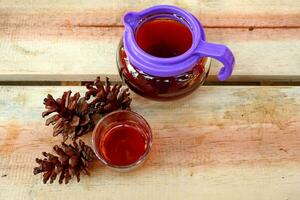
(167, 67)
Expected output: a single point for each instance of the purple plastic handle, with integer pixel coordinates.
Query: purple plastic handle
(167, 67)
(221, 53)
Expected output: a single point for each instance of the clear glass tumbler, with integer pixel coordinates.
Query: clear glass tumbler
(118, 120)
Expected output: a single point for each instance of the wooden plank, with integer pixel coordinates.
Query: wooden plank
(79, 53)
(230, 13)
(218, 143)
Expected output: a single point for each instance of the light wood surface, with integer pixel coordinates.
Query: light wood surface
(218, 143)
(77, 54)
(229, 13)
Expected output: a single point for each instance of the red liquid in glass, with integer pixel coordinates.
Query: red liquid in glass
(164, 38)
(123, 145)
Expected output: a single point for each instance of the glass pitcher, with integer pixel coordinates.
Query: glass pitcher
(164, 55)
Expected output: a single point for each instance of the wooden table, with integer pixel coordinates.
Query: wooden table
(233, 140)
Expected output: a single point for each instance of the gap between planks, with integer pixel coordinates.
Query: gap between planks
(82, 83)
(250, 28)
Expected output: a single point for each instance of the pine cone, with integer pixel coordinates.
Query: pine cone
(107, 98)
(69, 162)
(72, 118)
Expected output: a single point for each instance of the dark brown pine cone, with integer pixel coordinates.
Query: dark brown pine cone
(70, 161)
(107, 98)
(72, 118)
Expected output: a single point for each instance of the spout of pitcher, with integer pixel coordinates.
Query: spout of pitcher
(131, 20)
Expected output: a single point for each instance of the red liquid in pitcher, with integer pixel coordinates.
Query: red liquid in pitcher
(123, 145)
(164, 38)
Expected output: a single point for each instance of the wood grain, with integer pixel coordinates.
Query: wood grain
(221, 13)
(218, 143)
(79, 53)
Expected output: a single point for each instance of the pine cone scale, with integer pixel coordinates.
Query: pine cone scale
(52, 120)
